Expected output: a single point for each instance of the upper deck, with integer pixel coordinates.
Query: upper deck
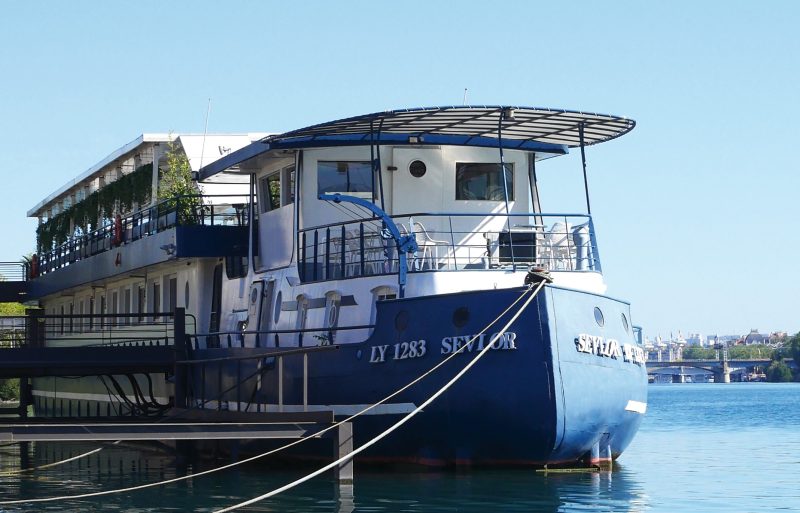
(461, 181)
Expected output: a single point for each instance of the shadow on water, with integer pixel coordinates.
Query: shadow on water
(374, 491)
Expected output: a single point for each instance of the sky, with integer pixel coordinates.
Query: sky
(693, 208)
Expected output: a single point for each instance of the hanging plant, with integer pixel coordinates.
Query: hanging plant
(129, 189)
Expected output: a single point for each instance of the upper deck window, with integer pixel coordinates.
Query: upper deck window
(483, 181)
(344, 177)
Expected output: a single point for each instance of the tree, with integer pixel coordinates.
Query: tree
(794, 347)
(698, 353)
(176, 186)
(778, 372)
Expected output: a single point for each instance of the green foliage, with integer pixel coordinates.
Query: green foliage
(9, 389)
(793, 344)
(750, 352)
(118, 196)
(778, 372)
(698, 353)
(11, 309)
(176, 188)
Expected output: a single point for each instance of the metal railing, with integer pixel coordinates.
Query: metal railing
(14, 271)
(272, 338)
(89, 330)
(178, 211)
(450, 242)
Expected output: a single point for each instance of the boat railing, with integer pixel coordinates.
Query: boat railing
(90, 330)
(300, 337)
(14, 271)
(205, 210)
(450, 242)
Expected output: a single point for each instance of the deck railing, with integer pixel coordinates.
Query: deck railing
(450, 242)
(86, 330)
(14, 271)
(178, 211)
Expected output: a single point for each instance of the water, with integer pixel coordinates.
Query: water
(710, 448)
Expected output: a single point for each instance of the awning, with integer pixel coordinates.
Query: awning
(523, 128)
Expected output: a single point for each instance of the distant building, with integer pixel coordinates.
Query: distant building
(696, 339)
(754, 337)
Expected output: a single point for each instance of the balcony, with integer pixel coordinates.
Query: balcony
(183, 227)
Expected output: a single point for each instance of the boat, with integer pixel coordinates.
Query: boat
(325, 268)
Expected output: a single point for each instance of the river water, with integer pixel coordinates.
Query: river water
(701, 448)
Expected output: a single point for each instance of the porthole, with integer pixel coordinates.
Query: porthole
(186, 294)
(461, 316)
(401, 320)
(417, 169)
(598, 316)
(278, 303)
(624, 321)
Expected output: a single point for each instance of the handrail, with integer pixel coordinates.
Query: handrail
(446, 242)
(14, 271)
(164, 215)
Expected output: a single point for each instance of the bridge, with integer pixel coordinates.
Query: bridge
(721, 368)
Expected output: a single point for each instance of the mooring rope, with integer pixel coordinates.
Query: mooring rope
(397, 424)
(300, 440)
(54, 464)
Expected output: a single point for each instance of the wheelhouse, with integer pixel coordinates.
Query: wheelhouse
(420, 191)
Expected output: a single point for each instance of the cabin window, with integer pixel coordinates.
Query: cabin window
(126, 308)
(382, 293)
(483, 181)
(333, 301)
(288, 184)
(270, 192)
(345, 177)
(156, 300)
(172, 290)
(140, 304)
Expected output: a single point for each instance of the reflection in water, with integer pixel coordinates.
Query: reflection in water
(397, 491)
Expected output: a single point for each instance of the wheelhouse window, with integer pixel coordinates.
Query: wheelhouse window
(345, 177)
(270, 192)
(277, 189)
(476, 181)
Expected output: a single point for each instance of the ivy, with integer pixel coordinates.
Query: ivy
(118, 196)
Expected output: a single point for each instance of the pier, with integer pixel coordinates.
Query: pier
(158, 344)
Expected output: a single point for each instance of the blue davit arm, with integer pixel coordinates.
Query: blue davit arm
(405, 243)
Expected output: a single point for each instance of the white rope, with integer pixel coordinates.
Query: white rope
(397, 424)
(291, 444)
(54, 464)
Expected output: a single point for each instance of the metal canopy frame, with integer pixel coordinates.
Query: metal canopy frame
(523, 128)
(528, 124)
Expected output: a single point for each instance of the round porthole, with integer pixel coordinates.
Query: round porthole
(624, 321)
(278, 303)
(417, 169)
(401, 320)
(598, 316)
(460, 316)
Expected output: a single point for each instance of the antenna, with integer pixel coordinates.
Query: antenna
(464, 101)
(205, 131)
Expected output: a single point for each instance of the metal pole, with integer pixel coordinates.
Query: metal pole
(505, 185)
(583, 163)
(280, 383)
(179, 334)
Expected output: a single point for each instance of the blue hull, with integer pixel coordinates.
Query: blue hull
(534, 399)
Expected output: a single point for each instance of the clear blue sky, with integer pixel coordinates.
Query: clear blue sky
(694, 208)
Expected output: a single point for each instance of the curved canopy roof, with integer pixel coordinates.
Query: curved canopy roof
(525, 128)
(549, 126)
